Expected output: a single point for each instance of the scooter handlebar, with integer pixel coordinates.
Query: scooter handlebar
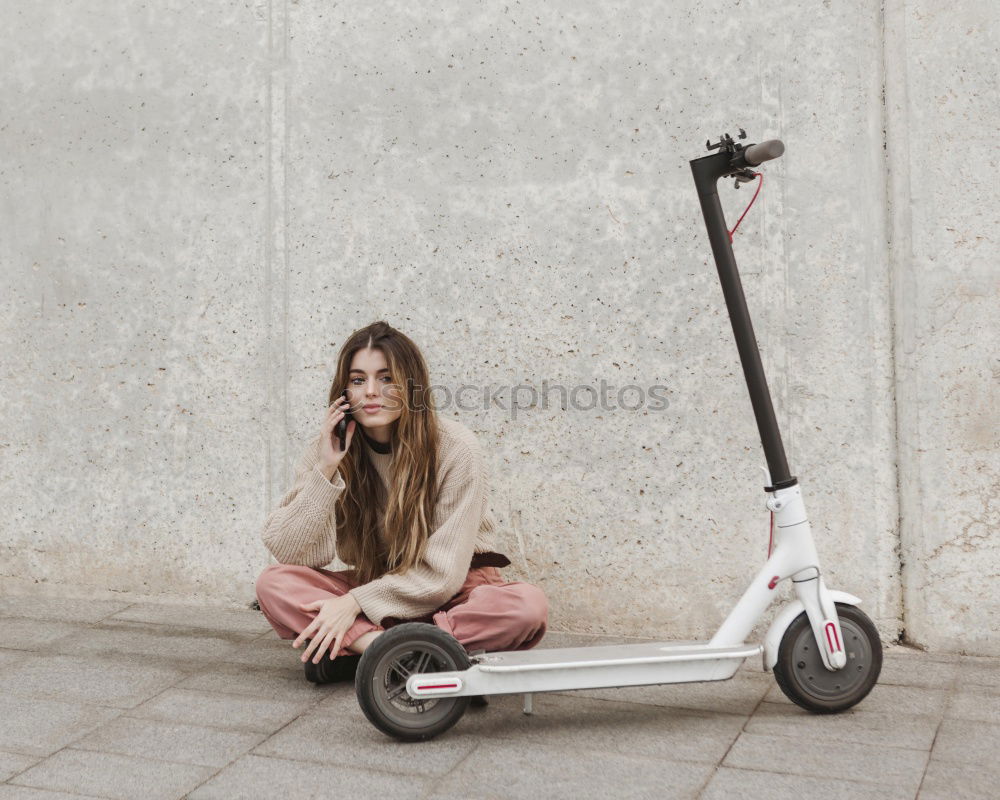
(764, 151)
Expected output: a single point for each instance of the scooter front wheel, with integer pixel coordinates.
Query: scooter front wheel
(804, 679)
(385, 665)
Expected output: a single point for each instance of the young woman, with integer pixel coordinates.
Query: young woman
(407, 507)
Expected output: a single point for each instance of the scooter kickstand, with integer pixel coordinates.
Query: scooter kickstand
(527, 703)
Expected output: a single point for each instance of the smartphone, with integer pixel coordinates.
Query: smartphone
(342, 425)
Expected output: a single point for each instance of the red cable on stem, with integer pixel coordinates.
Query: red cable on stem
(760, 185)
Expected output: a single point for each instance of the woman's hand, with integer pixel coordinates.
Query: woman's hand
(330, 455)
(335, 617)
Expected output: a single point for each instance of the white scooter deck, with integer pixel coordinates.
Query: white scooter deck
(559, 669)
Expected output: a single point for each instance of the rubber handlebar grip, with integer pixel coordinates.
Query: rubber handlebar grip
(759, 153)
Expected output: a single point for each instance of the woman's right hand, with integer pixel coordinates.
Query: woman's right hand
(330, 454)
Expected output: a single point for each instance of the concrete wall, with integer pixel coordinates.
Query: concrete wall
(201, 202)
(943, 95)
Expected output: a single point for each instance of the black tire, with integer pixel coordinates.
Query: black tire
(801, 675)
(380, 682)
(337, 670)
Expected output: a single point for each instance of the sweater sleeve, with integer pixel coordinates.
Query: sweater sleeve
(445, 564)
(302, 529)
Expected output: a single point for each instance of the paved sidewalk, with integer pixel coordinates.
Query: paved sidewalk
(120, 700)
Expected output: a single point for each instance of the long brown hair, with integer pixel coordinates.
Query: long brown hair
(409, 503)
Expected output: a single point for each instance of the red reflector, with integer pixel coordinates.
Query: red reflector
(831, 637)
(773, 582)
(440, 686)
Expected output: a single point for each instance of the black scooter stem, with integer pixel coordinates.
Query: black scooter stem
(707, 171)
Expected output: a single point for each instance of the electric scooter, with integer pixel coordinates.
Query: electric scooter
(415, 681)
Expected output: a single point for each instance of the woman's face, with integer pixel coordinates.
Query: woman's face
(370, 384)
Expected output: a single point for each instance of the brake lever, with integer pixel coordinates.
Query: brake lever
(745, 175)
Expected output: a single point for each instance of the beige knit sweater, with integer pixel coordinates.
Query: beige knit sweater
(302, 529)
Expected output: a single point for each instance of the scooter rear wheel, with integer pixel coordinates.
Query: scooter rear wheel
(801, 675)
(380, 682)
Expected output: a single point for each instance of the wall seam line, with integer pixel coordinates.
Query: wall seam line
(268, 256)
(897, 194)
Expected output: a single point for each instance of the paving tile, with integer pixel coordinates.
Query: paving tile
(212, 709)
(268, 651)
(61, 609)
(88, 678)
(979, 671)
(508, 770)
(976, 703)
(728, 783)
(22, 633)
(114, 776)
(896, 650)
(888, 698)
(864, 763)
(918, 670)
(195, 616)
(236, 637)
(255, 776)
(36, 727)
(170, 741)
(267, 683)
(967, 742)
(157, 641)
(739, 695)
(342, 735)
(575, 723)
(8, 658)
(949, 781)
(556, 639)
(8, 792)
(756, 664)
(13, 763)
(895, 729)
(198, 687)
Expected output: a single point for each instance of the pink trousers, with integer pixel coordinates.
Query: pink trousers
(486, 614)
